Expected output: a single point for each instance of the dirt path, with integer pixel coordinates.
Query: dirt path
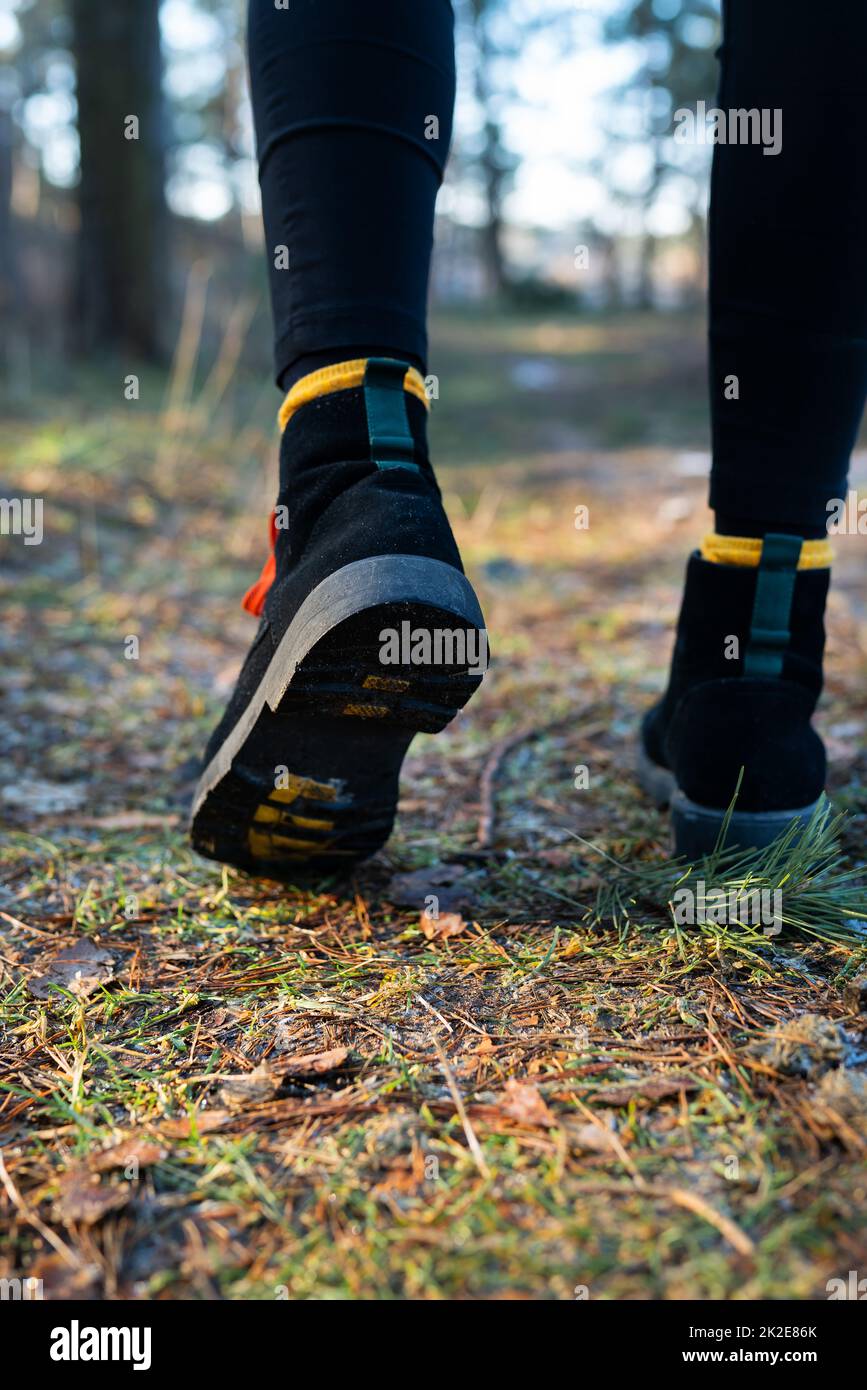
(270, 1092)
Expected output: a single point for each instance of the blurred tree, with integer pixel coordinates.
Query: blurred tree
(497, 33)
(7, 245)
(496, 165)
(676, 42)
(210, 150)
(34, 46)
(121, 281)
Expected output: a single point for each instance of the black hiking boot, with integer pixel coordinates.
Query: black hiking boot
(369, 632)
(745, 679)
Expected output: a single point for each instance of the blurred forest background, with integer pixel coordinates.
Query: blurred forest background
(565, 189)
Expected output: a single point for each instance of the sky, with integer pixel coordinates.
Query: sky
(555, 124)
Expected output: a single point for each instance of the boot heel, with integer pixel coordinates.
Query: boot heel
(697, 828)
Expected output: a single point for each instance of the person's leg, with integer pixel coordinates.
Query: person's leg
(788, 270)
(353, 107)
(353, 110)
(788, 376)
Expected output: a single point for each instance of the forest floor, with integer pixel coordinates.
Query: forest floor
(259, 1092)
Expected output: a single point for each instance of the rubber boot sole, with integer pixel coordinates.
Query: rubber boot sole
(307, 780)
(696, 829)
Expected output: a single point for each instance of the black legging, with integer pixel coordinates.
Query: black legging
(343, 96)
(346, 95)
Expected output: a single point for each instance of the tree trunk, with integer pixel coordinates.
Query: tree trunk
(121, 280)
(493, 167)
(492, 232)
(647, 255)
(646, 296)
(8, 306)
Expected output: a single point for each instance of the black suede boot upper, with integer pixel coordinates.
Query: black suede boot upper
(337, 505)
(715, 718)
(340, 506)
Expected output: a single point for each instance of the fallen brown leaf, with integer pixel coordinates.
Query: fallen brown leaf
(444, 882)
(80, 968)
(313, 1063)
(643, 1090)
(249, 1088)
(85, 1200)
(61, 1280)
(142, 1152)
(444, 925)
(203, 1122)
(592, 1139)
(525, 1103)
(263, 1083)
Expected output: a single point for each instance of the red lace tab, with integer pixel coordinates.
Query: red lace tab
(254, 599)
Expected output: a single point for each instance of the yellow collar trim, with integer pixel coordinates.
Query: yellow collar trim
(747, 550)
(340, 376)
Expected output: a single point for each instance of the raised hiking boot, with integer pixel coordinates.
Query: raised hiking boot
(369, 631)
(745, 678)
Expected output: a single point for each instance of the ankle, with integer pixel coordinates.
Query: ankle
(722, 623)
(369, 410)
(329, 357)
(726, 524)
